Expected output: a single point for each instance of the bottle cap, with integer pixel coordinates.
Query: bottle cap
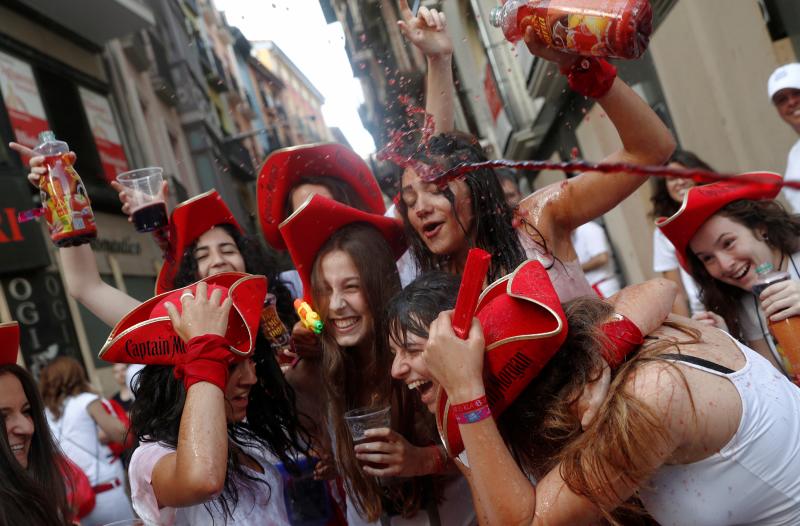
(47, 136)
(495, 16)
(764, 268)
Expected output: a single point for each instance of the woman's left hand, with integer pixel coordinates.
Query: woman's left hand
(781, 300)
(392, 450)
(560, 58)
(455, 363)
(427, 30)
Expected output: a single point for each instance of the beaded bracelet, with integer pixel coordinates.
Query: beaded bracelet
(590, 76)
(472, 417)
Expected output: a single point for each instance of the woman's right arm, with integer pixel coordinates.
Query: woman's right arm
(80, 267)
(646, 304)
(196, 472)
(681, 304)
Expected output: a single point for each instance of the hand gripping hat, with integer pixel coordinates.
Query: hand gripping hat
(146, 335)
(702, 202)
(523, 327)
(317, 219)
(284, 168)
(189, 220)
(9, 342)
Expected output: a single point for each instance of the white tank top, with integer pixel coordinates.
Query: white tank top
(755, 478)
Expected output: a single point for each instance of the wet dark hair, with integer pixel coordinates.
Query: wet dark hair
(340, 191)
(663, 204)
(493, 219)
(782, 231)
(272, 421)
(36, 495)
(257, 260)
(414, 308)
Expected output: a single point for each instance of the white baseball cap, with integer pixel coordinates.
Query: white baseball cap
(786, 76)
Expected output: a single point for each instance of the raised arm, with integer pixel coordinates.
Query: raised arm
(560, 208)
(80, 267)
(196, 472)
(428, 32)
(646, 304)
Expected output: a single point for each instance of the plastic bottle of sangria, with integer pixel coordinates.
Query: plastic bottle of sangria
(786, 332)
(66, 204)
(612, 28)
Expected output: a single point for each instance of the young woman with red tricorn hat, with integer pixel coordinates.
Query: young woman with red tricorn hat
(722, 233)
(346, 259)
(688, 423)
(207, 451)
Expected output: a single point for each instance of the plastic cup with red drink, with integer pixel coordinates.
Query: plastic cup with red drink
(144, 188)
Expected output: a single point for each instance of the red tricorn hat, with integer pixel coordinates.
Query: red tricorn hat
(523, 327)
(146, 335)
(284, 168)
(317, 219)
(190, 220)
(702, 202)
(9, 342)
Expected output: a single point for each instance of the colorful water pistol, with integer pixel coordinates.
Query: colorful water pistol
(310, 319)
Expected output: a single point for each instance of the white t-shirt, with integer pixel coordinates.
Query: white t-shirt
(793, 174)
(259, 507)
(751, 317)
(589, 241)
(664, 259)
(76, 434)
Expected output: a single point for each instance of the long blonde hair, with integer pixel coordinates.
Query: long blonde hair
(543, 431)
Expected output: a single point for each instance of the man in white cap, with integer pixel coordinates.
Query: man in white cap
(784, 91)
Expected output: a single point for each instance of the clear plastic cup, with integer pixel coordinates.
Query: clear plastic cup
(359, 420)
(146, 197)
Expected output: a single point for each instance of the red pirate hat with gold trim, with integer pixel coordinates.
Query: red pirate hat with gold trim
(317, 219)
(284, 168)
(145, 335)
(189, 220)
(9, 342)
(702, 202)
(523, 326)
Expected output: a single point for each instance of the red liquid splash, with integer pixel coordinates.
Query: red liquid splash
(698, 176)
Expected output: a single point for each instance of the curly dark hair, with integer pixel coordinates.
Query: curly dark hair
(36, 495)
(272, 422)
(257, 260)
(493, 228)
(782, 230)
(663, 204)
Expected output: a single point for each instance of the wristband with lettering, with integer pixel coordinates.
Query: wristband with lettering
(470, 406)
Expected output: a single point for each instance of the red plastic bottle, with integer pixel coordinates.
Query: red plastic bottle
(600, 28)
(67, 207)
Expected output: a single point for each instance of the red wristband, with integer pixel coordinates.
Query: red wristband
(472, 405)
(590, 76)
(207, 359)
(623, 337)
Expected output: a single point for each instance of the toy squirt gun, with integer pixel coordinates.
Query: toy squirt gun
(308, 317)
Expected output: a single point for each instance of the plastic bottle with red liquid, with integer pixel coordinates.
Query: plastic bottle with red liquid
(786, 332)
(599, 28)
(66, 204)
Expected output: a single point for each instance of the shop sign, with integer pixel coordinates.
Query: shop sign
(38, 303)
(105, 132)
(22, 100)
(22, 245)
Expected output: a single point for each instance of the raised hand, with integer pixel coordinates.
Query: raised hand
(201, 314)
(36, 162)
(781, 300)
(427, 31)
(455, 363)
(125, 198)
(552, 55)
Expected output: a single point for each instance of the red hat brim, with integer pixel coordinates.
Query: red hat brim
(317, 219)
(284, 168)
(9, 342)
(190, 220)
(524, 326)
(145, 335)
(702, 202)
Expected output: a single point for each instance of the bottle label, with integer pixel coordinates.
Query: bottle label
(66, 204)
(275, 331)
(614, 28)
